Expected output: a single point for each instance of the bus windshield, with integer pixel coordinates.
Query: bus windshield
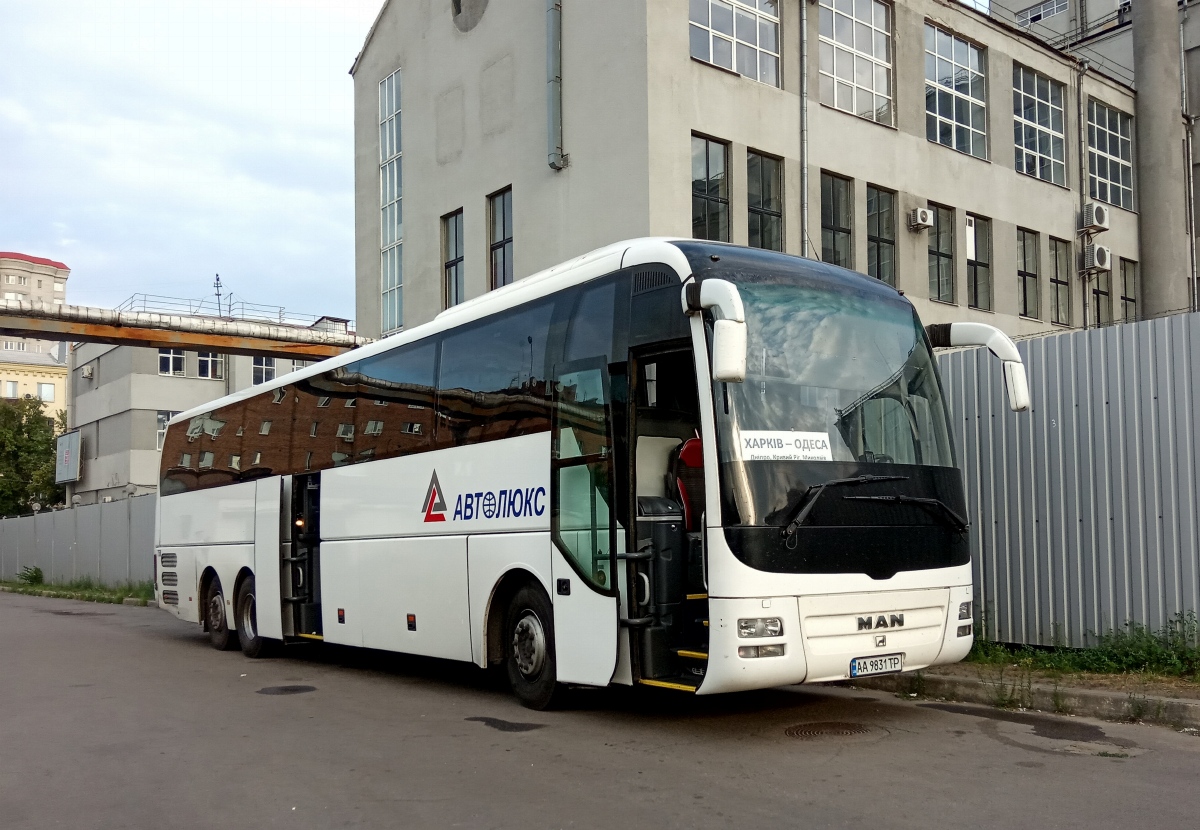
(834, 374)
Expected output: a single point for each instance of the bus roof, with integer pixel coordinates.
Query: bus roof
(589, 266)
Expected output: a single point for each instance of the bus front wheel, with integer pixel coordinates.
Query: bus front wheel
(219, 635)
(529, 648)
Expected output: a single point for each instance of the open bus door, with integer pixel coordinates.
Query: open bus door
(584, 525)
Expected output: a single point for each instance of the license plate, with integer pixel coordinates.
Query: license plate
(883, 664)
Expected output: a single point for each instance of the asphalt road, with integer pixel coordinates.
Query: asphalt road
(119, 717)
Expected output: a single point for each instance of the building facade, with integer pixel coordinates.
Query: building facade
(30, 367)
(950, 151)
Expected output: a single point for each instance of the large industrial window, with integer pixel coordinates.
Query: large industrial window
(1110, 155)
(452, 258)
(837, 220)
(979, 262)
(1040, 11)
(1102, 298)
(1027, 273)
(391, 191)
(764, 200)
(1038, 127)
(739, 35)
(1060, 282)
(710, 189)
(941, 254)
(856, 58)
(500, 241)
(955, 96)
(881, 234)
(170, 362)
(1129, 290)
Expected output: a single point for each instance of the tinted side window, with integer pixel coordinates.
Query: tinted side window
(396, 397)
(492, 381)
(591, 329)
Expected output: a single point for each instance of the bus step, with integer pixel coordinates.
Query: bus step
(691, 654)
(697, 596)
(682, 684)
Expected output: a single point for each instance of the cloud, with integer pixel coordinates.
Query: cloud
(150, 144)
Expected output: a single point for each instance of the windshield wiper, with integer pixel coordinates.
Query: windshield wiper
(935, 506)
(809, 499)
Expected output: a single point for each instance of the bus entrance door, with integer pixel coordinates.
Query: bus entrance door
(583, 525)
(301, 555)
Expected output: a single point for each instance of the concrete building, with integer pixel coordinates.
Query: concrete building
(530, 133)
(28, 278)
(123, 396)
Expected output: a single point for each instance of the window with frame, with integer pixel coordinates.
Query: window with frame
(837, 220)
(170, 362)
(452, 258)
(855, 43)
(1040, 11)
(1129, 290)
(45, 392)
(710, 189)
(164, 417)
(955, 92)
(1110, 155)
(979, 262)
(881, 234)
(1102, 298)
(10, 389)
(1027, 274)
(210, 365)
(1038, 126)
(764, 200)
(501, 237)
(391, 192)
(739, 35)
(263, 370)
(941, 254)
(1060, 282)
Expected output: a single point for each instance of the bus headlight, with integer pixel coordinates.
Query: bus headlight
(964, 610)
(760, 627)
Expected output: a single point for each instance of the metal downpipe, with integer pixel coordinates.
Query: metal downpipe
(555, 156)
(804, 128)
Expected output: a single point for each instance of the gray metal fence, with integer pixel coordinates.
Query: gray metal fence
(1084, 510)
(112, 543)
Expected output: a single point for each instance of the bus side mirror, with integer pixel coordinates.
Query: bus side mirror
(1016, 384)
(729, 325)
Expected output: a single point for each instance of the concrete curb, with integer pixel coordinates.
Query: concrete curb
(1020, 692)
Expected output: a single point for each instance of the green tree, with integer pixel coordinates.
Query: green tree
(27, 456)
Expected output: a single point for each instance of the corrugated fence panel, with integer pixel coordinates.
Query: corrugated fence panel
(1085, 511)
(141, 539)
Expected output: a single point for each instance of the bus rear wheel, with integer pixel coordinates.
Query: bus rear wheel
(529, 649)
(246, 617)
(219, 635)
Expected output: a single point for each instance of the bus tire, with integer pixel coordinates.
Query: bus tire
(246, 619)
(219, 635)
(529, 648)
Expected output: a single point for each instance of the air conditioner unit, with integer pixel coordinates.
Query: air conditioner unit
(1097, 258)
(920, 219)
(1095, 217)
(88, 372)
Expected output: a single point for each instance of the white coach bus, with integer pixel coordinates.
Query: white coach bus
(668, 462)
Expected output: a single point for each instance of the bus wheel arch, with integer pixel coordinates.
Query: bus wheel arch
(497, 611)
(216, 621)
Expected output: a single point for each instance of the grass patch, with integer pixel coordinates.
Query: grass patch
(85, 588)
(1173, 651)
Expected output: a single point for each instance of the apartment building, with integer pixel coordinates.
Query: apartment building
(32, 368)
(949, 151)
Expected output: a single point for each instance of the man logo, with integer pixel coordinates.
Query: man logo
(891, 621)
(434, 505)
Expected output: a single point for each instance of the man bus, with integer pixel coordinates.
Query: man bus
(668, 462)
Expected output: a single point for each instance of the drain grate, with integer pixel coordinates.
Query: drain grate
(831, 729)
(286, 690)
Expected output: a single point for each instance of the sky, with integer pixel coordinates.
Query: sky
(151, 144)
